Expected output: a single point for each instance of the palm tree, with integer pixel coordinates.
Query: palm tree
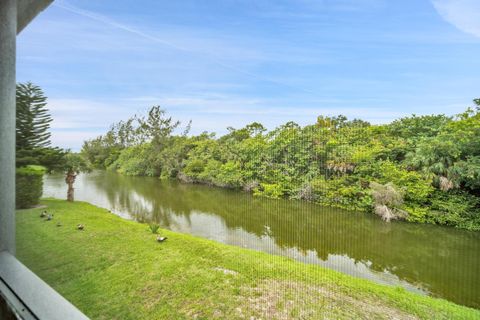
(73, 165)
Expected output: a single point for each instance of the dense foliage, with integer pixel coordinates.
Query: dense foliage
(418, 168)
(29, 186)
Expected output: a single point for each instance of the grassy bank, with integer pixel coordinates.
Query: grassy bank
(114, 269)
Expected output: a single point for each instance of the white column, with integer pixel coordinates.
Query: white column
(8, 31)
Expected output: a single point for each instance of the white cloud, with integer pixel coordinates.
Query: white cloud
(463, 14)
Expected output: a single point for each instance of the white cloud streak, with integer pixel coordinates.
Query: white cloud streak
(210, 56)
(463, 14)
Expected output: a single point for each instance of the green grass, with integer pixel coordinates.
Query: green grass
(115, 269)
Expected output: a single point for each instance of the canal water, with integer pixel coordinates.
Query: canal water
(438, 261)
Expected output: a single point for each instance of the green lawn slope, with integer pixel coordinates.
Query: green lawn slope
(115, 269)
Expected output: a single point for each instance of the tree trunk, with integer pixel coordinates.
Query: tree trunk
(70, 179)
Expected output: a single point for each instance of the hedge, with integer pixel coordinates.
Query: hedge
(29, 186)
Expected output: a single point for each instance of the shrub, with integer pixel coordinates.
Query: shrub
(154, 227)
(269, 190)
(305, 192)
(194, 170)
(29, 186)
(343, 192)
(455, 208)
(134, 161)
(207, 173)
(250, 186)
(230, 175)
(182, 177)
(387, 199)
(417, 187)
(418, 214)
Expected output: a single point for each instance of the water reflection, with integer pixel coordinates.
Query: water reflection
(440, 261)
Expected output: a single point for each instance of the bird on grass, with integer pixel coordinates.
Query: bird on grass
(161, 239)
(49, 217)
(80, 226)
(43, 214)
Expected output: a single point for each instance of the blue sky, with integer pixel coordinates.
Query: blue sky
(229, 62)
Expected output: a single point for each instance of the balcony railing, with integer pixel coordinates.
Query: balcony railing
(29, 297)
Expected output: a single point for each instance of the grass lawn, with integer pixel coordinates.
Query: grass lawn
(115, 269)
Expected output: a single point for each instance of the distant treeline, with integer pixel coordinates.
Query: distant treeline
(418, 168)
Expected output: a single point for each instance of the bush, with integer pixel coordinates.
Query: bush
(154, 227)
(204, 173)
(29, 186)
(416, 186)
(134, 161)
(455, 208)
(387, 199)
(250, 186)
(269, 190)
(230, 175)
(418, 214)
(305, 192)
(195, 170)
(342, 192)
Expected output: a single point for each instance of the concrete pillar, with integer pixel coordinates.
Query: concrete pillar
(8, 32)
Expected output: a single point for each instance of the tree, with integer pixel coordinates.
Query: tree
(477, 102)
(33, 123)
(73, 165)
(32, 129)
(451, 155)
(156, 127)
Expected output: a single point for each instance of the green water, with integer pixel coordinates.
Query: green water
(439, 261)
